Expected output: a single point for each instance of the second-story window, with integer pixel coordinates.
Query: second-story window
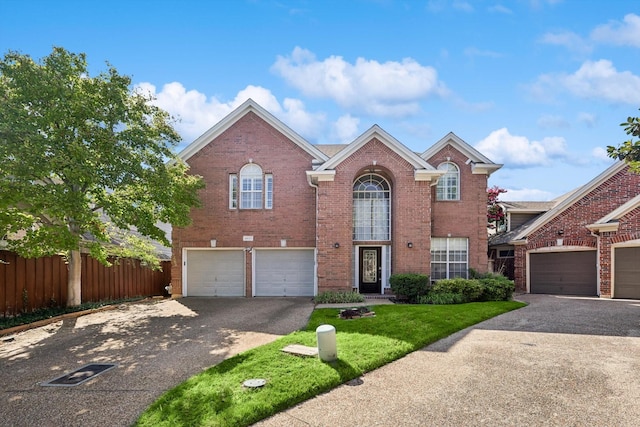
(251, 187)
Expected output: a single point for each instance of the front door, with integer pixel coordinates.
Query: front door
(370, 270)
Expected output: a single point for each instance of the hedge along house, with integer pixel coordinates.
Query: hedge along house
(283, 217)
(588, 243)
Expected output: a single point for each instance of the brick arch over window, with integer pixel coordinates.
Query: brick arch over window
(371, 208)
(449, 184)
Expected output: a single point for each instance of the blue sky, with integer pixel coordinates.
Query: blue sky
(538, 85)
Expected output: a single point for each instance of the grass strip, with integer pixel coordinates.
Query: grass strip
(216, 396)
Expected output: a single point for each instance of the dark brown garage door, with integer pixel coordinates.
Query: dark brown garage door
(627, 273)
(564, 273)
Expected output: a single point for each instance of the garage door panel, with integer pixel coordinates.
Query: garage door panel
(215, 273)
(284, 272)
(626, 282)
(563, 273)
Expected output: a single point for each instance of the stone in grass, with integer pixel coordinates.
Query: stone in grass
(301, 350)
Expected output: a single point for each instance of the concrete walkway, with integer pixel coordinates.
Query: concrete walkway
(156, 346)
(560, 361)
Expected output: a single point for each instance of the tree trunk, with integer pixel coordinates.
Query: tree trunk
(74, 281)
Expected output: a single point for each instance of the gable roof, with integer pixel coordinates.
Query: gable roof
(479, 162)
(249, 106)
(570, 200)
(423, 170)
(610, 221)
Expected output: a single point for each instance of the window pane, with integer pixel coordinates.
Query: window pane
(233, 191)
(251, 187)
(449, 258)
(269, 192)
(448, 187)
(371, 209)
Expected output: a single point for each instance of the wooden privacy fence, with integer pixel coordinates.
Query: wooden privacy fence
(30, 284)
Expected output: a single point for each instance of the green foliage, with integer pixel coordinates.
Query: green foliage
(335, 297)
(216, 397)
(469, 289)
(498, 288)
(629, 151)
(410, 286)
(442, 298)
(480, 287)
(84, 160)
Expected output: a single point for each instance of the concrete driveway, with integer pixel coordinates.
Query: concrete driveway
(155, 346)
(558, 362)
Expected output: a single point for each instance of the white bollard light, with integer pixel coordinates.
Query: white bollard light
(327, 349)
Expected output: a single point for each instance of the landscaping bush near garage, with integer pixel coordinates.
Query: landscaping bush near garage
(487, 287)
(338, 297)
(409, 287)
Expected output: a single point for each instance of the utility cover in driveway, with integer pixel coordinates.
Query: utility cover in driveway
(80, 375)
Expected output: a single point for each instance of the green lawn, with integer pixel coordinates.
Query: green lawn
(216, 396)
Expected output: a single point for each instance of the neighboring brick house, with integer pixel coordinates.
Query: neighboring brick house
(283, 217)
(587, 243)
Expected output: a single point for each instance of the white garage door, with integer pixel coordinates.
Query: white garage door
(215, 273)
(289, 272)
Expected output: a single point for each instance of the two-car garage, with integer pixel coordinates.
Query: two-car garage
(575, 272)
(274, 272)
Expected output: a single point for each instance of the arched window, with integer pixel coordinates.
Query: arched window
(371, 208)
(449, 184)
(251, 187)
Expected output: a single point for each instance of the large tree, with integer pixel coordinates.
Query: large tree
(629, 150)
(84, 161)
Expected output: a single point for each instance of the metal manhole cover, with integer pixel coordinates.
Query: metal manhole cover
(254, 383)
(80, 375)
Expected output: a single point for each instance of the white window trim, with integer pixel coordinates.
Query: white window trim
(268, 193)
(447, 262)
(233, 191)
(254, 178)
(389, 215)
(440, 187)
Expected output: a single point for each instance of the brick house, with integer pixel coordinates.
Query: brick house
(584, 243)
(283, 217)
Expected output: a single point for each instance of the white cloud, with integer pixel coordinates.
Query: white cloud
(626, 33)
(500, 9)
(462, 6)
(600, 154)
(568, 39)
(594, 80)
(526, 194)
(519, 152)
(588, 119)
(345, 129)
(196, 113)
(384, 89)
(551, 121)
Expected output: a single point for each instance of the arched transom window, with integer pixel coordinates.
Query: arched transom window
(251, 187)
(371, 208)
(449, 184)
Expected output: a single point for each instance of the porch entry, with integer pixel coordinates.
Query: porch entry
(370, 269)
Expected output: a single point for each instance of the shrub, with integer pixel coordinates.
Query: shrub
(335, 297)
(468, 289)
(409, 285)
(441, 298)
(497, 288)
